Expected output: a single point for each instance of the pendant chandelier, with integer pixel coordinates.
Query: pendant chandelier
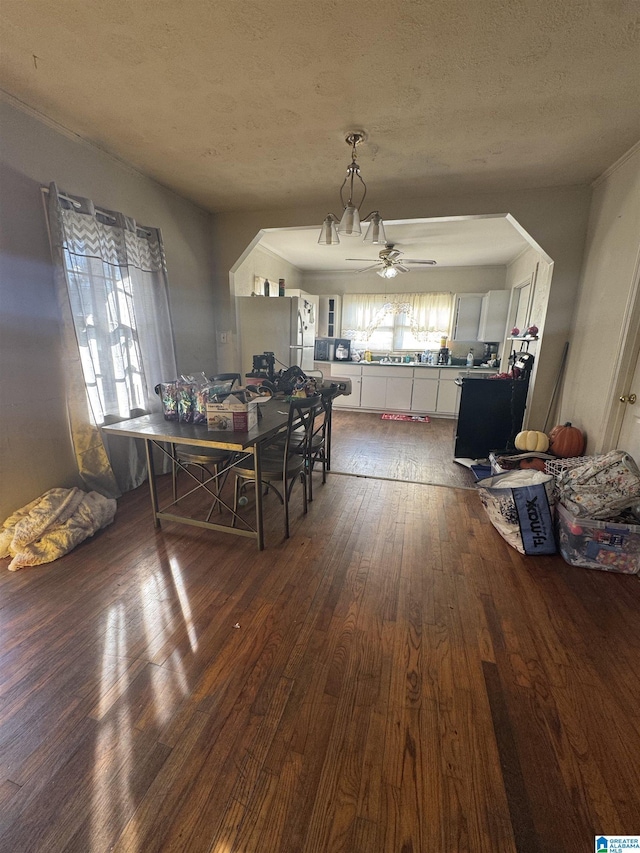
(350, 222)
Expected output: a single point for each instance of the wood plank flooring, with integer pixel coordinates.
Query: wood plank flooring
(366, 446)
(392, 679)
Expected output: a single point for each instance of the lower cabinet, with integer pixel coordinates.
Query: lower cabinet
(448, 397)
(354, 373)
(425, 394)
(383, 391)
(423, 390)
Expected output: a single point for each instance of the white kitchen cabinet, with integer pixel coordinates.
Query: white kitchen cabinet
(386, 388)
(398, 396)
(354, 373)
(374, 389)
(493, 315)
(425, 390)
(448, 394)
(466, 316)
(328, 325)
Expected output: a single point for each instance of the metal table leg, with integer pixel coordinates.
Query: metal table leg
(257, 467)
(148, 446)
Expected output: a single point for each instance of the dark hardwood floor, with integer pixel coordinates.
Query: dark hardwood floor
(394, 677)
(366, 446)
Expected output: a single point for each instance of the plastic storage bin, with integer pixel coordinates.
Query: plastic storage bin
(600, 545)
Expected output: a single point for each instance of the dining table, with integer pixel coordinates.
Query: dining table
(166, 435)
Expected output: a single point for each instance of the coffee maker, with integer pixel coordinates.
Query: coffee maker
(263, 367)
(443, 352)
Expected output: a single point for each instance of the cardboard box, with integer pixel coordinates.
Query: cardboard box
(603, 545)
(232, 415)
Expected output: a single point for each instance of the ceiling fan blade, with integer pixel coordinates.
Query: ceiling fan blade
(392, 254)
(364, 269)
(416, 261)
(364, 260)
(401, 268)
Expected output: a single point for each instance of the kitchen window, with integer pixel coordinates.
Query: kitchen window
(404, 321)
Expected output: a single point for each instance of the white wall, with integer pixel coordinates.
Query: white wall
(610, 262)
(35, 452)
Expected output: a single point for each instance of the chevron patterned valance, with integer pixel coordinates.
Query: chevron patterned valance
(113, 237)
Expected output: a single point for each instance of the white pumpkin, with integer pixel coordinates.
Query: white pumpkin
(532, 440)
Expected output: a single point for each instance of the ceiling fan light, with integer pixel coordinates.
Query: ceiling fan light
(328, 232)
(375, 232)
(350, 222)
(388, 272)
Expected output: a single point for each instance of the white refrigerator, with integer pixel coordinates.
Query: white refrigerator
(283, 325)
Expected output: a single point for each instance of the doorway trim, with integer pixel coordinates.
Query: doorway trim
(624, 365)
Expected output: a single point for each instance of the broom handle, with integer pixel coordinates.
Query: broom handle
(557, 385)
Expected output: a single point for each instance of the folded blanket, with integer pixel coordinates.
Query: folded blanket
(52, 525)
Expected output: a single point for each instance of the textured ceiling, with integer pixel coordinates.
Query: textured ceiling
(245, 103)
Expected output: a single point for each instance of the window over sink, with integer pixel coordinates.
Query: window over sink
(402, 321)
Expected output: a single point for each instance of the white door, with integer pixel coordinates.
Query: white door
(630, 433)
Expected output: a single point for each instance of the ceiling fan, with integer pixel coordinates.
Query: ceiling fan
(390, 263)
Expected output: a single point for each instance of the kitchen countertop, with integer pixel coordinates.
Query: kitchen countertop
(414, 364)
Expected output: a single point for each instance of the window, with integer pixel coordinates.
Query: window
(101, 297)
(404, 321)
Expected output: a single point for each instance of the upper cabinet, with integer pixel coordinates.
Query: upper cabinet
(466, 316)
(480, 316)
(329, 317)
(493, 315)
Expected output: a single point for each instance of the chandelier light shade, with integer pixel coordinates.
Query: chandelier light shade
(355, 189)
(375, 232)
(350, 222)
(329, 232)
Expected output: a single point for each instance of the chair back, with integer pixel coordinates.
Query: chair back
(234, 378)
(302, 415)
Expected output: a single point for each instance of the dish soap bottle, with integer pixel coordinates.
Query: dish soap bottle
(470, 358)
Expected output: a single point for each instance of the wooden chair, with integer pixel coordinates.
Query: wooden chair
(320, 450)
(284, 463)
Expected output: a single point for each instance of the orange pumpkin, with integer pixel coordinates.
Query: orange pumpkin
(566, 441)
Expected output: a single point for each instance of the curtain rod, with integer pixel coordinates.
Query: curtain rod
(65, 197)
(99, 210)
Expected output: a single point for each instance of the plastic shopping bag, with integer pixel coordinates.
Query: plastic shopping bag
(520, 506)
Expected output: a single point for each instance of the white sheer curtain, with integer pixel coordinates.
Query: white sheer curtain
(426, 315)
(112, 290)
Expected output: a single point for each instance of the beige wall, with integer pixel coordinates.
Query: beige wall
(35, 453)
(610, 264)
